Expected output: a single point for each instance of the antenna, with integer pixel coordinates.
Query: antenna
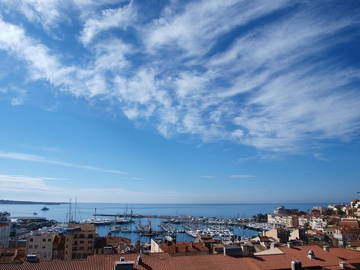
(70, 211)
(75, 208)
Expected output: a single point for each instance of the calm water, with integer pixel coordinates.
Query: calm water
(86, 210)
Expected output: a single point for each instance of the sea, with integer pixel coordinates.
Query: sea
(84, 211)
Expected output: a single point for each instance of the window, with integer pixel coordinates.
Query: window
(49, 240)
(81, 242)
(90, 241)
(44, 240)
(30, 246)
(90, 236)
(31, 240)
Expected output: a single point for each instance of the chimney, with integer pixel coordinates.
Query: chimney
(296, 265)
(289, 245)
(139, 260)
(311, 254)
(326, 248)
(342, 265)
(32, 258)
(224, 251)
(124, 265)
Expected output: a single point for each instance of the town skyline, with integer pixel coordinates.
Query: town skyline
(169, 102)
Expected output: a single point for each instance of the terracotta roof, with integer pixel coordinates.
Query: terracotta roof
(355, 243)
(322, 258)
(183, 248)
(353, 224)
(12, 255)
(327, 259)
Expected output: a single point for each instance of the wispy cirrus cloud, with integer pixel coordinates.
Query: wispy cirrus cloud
(260, 73)
(120, 17)
(40, 159)
(10, 183)
(20, 187)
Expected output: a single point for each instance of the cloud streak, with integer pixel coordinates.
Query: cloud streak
(40, 159)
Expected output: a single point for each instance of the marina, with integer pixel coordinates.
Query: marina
(183, 228)
(165, 219)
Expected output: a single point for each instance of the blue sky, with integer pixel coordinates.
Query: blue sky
(179, 101)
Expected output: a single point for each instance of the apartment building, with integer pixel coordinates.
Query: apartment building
(40, 243)
(290, 221)
(318, 223)
(79, 241)
(4, 229)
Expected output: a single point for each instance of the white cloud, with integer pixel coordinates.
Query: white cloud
(45, 12)
(111, 55)
(120, 17)
(21, 183)
(197, 28)
(320, 156)
(276, 87)
(19, 187)
(40, 159)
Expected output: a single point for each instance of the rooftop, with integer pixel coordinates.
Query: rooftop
(325, 259)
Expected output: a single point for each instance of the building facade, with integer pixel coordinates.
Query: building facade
(4, 229)
(41, 244)
(79, 241)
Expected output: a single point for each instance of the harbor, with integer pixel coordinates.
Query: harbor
(140, 227)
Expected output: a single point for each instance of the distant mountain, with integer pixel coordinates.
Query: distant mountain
(29, 202)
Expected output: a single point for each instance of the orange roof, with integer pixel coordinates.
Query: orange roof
(183, 247)
(353, 224)
(326, 259)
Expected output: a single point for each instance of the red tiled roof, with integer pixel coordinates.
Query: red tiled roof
(351, 224)
(183, 247)
(326, 259)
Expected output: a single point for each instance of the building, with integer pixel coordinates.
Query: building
(280, 235)
(179, 248)
(112, 245)
(290, 221)
(4, 229)
(317, 223)
(41, 243)
(297, 234)
(79, 241)
(303, 221)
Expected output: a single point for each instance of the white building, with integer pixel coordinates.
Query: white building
(290, 221)
(4, 229)
(41, 244)
(318, 223)
(303, 220)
